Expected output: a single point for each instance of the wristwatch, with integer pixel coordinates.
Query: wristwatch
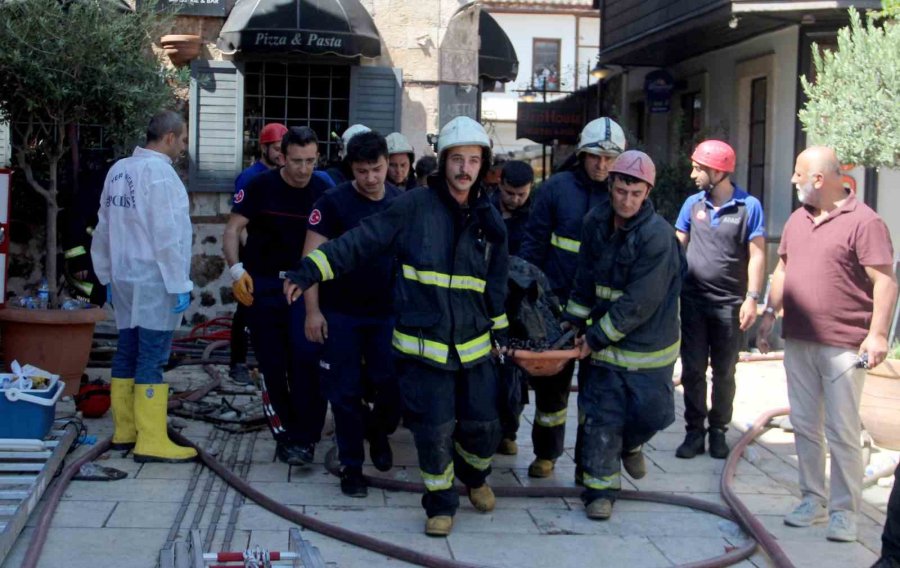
(770, 311)
(753, 295)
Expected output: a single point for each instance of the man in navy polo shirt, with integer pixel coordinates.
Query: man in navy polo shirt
(274, 211)
(353, 317)
(723, 230)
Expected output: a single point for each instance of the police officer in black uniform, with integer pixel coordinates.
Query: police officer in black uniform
(274, 210)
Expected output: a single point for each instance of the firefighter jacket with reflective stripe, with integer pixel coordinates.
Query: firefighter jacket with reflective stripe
(453, 262)
(553, 233)
(628, 283)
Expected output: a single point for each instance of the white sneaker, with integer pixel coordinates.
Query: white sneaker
(842, 527)
(809, 512)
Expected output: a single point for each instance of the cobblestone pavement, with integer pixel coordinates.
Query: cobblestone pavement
(128, 522)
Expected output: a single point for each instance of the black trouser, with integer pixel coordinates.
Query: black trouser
(289, 363)
(352, 339)
(710, 334)
(890, 538)
(622, 410)
(551, 399)
(239, 339)
(513, 398)
(453, 418)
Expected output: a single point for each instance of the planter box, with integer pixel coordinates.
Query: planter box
(58, 341)
(880, 404)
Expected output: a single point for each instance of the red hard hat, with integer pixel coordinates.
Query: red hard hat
(715, 154)
(636, 164)
(93, 399)
(272, 132)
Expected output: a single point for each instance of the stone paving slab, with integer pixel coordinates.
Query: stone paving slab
(556, 551)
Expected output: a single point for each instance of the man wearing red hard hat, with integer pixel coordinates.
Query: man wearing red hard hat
(625, 297)
(723, 231)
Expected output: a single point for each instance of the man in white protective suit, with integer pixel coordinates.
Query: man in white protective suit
(142, 254)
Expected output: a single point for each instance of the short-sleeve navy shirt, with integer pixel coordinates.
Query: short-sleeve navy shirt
(278, 214)
(717, 252)
(368, 290)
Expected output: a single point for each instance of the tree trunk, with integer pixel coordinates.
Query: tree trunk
(51, 272)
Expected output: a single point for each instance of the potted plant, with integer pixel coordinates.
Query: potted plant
(880, 403)
(65, 64)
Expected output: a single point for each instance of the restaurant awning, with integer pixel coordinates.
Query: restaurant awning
(497, 57)
(316, 27)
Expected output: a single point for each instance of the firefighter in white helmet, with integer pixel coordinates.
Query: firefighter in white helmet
(450, 243)
(400, 164)
(552, 241)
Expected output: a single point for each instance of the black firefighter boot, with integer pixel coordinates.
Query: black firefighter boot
(694, 444)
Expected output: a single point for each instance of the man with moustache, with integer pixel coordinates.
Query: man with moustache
(274, 210)
(836, 285)
(723, 232)
(450, 244)
(352, 316)
(552, 240)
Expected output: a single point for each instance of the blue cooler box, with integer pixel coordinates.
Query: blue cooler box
(28, 413)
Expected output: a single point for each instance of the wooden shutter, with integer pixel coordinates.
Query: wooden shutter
(216, 138)
(375, 98)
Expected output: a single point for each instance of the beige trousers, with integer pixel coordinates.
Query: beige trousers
(824, 388)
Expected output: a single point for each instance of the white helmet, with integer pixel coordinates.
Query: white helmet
(602, 137)
(398, 144)
(462, 131)
(351, 132)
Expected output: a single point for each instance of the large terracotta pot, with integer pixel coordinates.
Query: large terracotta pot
(880, 404)
(181, 48)
(58, 341)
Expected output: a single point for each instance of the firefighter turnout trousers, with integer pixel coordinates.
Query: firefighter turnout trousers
(620, 410)
(551, 399)
(453, 418)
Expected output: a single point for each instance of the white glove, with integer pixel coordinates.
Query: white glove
(237, 270)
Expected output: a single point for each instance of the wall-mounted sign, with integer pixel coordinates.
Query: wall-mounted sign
(545, 122)
(213, 8)
(658, 87)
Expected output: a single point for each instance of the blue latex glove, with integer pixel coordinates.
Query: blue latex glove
(182, 302)
(109, 295)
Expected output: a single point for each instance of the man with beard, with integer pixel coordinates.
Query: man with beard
(835, 282)
(723, 231)
(450, 244)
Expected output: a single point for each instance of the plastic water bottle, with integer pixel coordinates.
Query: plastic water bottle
(44, 295)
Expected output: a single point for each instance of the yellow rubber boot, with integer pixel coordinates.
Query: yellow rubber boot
(121, 394)
(153, 443)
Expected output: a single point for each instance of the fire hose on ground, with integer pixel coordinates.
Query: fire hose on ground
(736, 510)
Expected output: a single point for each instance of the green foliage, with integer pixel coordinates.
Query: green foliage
(894, 351)
(853, 103)
(81, 62)
(673, 186)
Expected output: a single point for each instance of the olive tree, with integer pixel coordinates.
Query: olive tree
(852, 105)
(70, 62)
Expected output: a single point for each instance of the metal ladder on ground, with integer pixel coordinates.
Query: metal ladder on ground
(189, 554)
(26, 469)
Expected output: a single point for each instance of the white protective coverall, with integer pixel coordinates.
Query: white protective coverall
(142, 243)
